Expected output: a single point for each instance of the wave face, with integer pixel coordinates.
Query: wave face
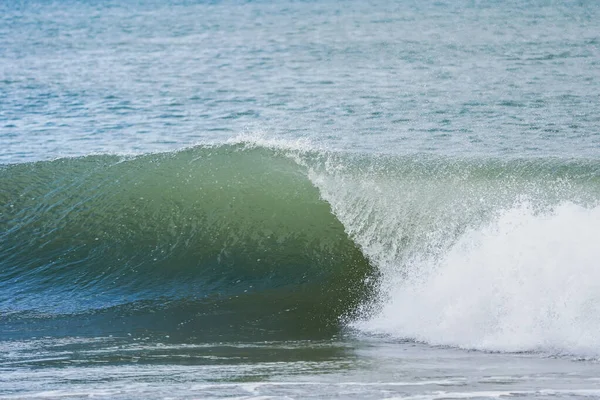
(263, 240)
(206, 243)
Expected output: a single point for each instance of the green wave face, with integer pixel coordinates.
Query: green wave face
(207, 242)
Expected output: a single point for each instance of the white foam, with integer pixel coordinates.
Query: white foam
(528, 281)
(500, 394)
(263, 139)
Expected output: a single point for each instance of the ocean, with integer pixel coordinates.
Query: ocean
(204, 199)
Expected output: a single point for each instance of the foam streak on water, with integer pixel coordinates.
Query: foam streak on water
(366, 368)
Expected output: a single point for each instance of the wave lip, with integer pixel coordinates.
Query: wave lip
(209, 239)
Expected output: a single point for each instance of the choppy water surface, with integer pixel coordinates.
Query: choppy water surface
(299, 199)
(451, 77)
(364, 368)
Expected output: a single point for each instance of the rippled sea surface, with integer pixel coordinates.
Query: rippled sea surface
(405, 76)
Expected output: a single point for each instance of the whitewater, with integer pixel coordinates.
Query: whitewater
(258, 200)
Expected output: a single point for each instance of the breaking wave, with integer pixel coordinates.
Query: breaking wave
(260, 239)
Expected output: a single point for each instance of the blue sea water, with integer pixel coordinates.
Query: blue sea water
(484, 77)
(296, 199)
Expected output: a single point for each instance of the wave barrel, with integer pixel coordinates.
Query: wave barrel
(206, 243)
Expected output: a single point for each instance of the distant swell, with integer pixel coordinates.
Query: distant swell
(206, 242)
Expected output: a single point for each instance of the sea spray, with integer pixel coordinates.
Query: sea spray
(474, 253)
(526, 281)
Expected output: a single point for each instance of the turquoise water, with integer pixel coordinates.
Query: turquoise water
(299, 199)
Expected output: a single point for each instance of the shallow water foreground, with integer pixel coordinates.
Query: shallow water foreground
(346, 367)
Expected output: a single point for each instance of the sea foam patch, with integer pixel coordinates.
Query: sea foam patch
(527, 281)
